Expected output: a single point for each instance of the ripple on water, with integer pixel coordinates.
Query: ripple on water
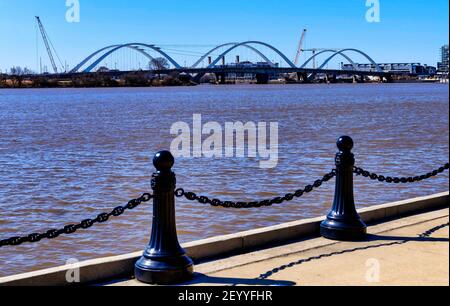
(68, 155)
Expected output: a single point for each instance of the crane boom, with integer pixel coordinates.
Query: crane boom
(47, 45)
(300, 46)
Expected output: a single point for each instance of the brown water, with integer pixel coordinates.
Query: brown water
(67, 155)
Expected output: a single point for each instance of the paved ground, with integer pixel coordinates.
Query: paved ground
(394, 255)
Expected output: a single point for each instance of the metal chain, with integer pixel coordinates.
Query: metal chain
(179, 193)
(399, 180)
(72, 228)
(272, 272)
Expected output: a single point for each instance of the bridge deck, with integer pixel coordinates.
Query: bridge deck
(222, 70)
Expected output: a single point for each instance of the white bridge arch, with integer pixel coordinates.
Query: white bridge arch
(103, 53)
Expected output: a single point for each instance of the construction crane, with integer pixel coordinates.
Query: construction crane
(300, 46)
(48, 43)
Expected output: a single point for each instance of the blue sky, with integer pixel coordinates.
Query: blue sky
(409, 31)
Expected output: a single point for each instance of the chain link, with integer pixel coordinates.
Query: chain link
(72, 228)
(118, 211)
(179, 193)
(399, 180)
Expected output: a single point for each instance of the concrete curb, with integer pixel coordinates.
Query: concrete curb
(122, 267)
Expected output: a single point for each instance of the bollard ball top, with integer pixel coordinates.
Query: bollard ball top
(345, 144)
(163, 161)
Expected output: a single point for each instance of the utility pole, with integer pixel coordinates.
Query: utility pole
(314, 52)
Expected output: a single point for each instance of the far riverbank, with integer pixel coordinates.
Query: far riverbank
(145, 79)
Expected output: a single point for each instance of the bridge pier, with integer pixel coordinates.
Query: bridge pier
(330, 78)
(262, 78)
(387, 79)
(197, 78)
(221, 78)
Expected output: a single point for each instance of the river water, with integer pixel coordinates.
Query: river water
(69, 154)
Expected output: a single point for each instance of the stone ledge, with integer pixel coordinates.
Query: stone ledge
(122, 267)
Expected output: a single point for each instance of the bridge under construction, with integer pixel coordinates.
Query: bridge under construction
(159, 60)
(217, 65)
(96, 58)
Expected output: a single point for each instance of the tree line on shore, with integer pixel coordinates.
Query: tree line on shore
(132, 79)
(19, 77)
(95, 80)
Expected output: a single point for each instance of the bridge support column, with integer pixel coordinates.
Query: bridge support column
(330, 78)
(197, 78)
(221, 78)
(262, 78)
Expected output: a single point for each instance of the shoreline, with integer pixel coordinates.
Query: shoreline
(223, 85)
(217, 249)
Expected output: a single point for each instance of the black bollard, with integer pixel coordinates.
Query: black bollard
(164, 261)
(343, 222)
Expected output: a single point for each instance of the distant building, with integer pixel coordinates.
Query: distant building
(407, 68)
(443, 64)
(247, 64)
(431, 70)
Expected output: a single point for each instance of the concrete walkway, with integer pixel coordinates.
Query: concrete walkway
(394, 255)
